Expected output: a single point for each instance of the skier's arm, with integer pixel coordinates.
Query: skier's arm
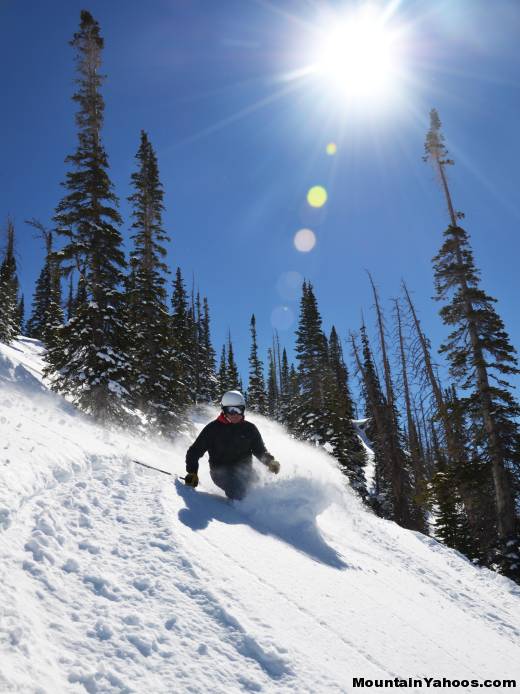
(259, 449)
(196, 451)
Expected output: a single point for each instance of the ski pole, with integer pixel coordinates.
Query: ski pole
(150, 467)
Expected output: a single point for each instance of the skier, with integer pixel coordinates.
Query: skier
(231, 443)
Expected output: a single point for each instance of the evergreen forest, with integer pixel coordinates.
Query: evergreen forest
(433, 444)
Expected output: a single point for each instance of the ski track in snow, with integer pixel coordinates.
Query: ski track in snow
(116, 579)
(143, 599)
(321, 625)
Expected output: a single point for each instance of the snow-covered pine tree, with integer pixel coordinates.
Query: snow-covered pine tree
(196, 319)
(273, 392)
(341, 435)
(284, 406)
(228, 377)
(207, 378)
(149, 376)
(181, 349)
(451, 524)
(481, 358)
(381, 497)
(466, 523)
(233, 377)
(88, 363)
(9, 285)
(256, 397)
(70, 305)
(193, 321)
(20, 315)
(47, 312)
(311, 354)
(293, 400)
(222, 376)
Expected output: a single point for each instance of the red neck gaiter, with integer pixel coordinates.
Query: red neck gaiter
(223, 420)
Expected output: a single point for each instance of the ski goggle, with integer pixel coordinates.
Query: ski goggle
(233, 409)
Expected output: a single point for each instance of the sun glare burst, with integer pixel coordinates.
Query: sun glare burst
(357, 56)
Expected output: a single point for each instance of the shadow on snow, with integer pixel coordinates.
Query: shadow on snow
(287, 510)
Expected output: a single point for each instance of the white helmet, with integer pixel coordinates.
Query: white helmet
(233, 398)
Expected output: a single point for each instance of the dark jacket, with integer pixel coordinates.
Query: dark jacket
(227, 445)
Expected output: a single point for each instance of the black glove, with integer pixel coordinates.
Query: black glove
(274, 466)
(191, 479)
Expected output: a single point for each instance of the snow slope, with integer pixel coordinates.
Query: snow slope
(116, 578)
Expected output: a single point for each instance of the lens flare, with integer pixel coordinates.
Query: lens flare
(304, 240)
(282, 318)
(331, 149)
(317, 196)
(289, 285)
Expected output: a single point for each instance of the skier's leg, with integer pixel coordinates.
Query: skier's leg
(221, 478)
(234, 480)
(243, 477)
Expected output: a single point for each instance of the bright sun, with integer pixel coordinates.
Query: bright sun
(357, 57)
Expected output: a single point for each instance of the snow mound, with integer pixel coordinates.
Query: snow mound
(21, 365)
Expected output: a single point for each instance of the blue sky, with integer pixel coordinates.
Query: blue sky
(240, 141)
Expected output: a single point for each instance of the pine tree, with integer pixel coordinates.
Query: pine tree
(272, 395)
(405, 510)
(54, 313)
(9, 285)
(149, 375)
(233, 377)
(293, 401)
(311, 354)
(428, 435)
(449, 456)
(391, 497)
(389, 388)
(70, 298)
(89, 362)
(285, 390)
(208, 380)
(228, 377)
(196, 321)
(256, 396)
(345, 444)
(20, 315)
(47, 314)
(463, 520)
(182, 348)
(428, 374)
(451, 526)
(77, 295)
(418, 473)
(222, 377)
(37, 321)
(481, 358)
(381, 497)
